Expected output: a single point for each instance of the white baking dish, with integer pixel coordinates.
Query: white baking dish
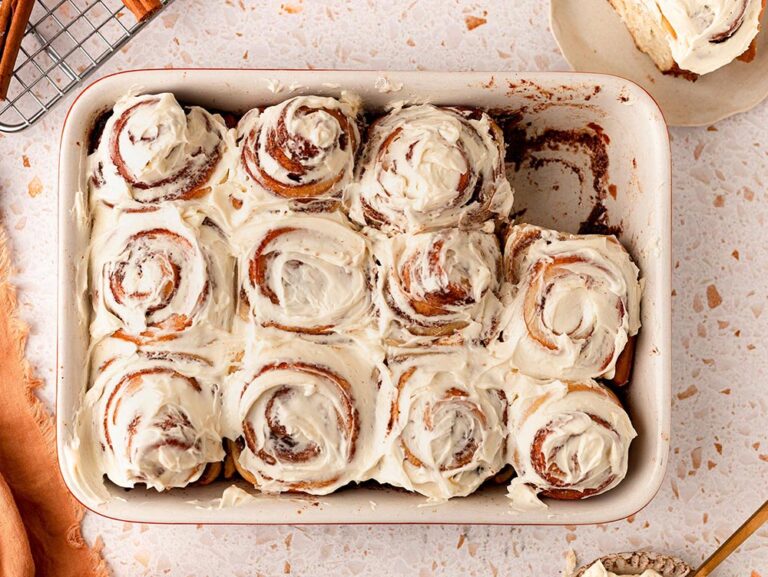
(639, 168)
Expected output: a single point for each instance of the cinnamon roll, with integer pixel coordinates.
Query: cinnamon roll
(568, 440)
(156, 274)
(155, 418)
(427, 167)
(303, 417)
(576, 304)
(439, 287)
(305, 274)
(693, 37)
(154, 150)
(298, 154)
(447, 425)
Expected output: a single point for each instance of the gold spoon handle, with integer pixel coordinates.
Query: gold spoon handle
(732, 543)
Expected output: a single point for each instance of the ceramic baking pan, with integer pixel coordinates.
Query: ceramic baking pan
(584, 148)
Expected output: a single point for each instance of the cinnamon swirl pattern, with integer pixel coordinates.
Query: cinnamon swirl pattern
(447, 426)
(155, 276)
(439, 287)
(298, 154)
(427, 167)
(264, 302)
(576, 304)
(304, 416)
(306, 274)
(569, 440)
(155, 417)
(153, 150)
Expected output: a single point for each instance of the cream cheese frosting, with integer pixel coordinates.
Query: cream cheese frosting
(153, 418)
(446, 429)
(705, 35)
(299, 154)
(152, 149)
(308, 415)
(306, 274)
(567, 439)
(427, 167)
(155, 274)
(598, 570)
(440, 287)
(324, 373)
(575, 303)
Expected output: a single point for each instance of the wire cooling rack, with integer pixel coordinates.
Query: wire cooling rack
(66, 40)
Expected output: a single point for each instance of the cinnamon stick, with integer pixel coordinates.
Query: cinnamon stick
(143, 9)
(5, 20)
(14, 16)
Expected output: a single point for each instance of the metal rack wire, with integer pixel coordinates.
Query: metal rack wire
(66, 40)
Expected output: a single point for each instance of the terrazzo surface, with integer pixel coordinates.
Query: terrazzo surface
(718, 471)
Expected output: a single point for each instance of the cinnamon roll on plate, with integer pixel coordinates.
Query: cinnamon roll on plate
(568, 440)
(154, 416)
(296, 155)
(440, 287)
(154, 150)
(305, 417)
(305, 274)
(156, 274)
(427, 167)
(693, 37)
(575, 305)
(447, 424)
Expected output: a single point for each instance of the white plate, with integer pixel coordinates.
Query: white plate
(593, 38)
(639, 168)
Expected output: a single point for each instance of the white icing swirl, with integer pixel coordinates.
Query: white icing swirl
(306, 274)
(301, 150)
(153, 150)
(706, 35)
(305, 416)
(315, 415)
(576, 303)
(569, 440)
(427, 167)
(155, 419)
(155, 274)
(447, 425)
(439, 287)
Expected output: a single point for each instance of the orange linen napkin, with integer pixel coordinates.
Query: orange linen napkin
(39, 519)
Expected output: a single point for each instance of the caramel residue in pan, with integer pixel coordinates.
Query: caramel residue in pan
(523, 149)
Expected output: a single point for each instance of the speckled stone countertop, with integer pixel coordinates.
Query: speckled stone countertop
(718, 471)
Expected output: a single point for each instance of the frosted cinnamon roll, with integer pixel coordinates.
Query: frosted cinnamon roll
(298, 154)
(447, 425)
(304, 417)
(305, 274)
(154, 150)
(568, 440)
(426, 167)
(439, 287)
(155, 274)
(576, 305)
(693, 36)
(155, 417)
